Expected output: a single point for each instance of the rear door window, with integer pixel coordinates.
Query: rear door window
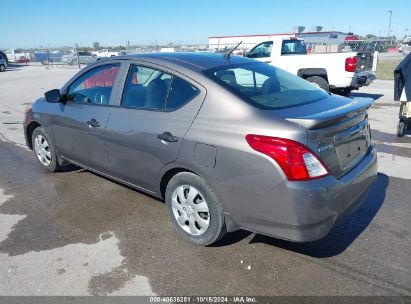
(180, 93)
(145, 88)
(151, 89)
(94, 86)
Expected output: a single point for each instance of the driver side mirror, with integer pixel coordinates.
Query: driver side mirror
(53, 96)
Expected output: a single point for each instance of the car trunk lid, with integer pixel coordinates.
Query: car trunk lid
(338, 130)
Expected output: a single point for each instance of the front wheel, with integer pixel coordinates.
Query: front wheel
(194, 209)
(2, 67)
(319, 82)
(401, 129)
(44, 150)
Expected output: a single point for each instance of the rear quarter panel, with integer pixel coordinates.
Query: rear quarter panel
(240, 172)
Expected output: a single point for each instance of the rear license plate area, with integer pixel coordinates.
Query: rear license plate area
(352, 144)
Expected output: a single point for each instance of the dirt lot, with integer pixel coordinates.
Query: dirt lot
(76, 233)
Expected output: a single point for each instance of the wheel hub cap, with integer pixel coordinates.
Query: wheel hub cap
(42, 150)
(190, 210)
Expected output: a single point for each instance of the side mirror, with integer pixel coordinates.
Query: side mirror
(53, 96)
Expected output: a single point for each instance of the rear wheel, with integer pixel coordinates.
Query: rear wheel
(2, 67)
(73, 62)
(194, 209)
(44, 150)
(320, 82)
(401, 129)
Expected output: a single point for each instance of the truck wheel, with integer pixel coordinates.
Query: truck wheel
(401, 129)
(320, 82)
(2, 67)
(73, 62)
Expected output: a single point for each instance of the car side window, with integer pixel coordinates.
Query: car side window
(180, 93)
(261, 50)
(94, 86)
(146, 88)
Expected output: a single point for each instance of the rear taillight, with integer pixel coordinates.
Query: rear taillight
(351, 64)
(296, 160)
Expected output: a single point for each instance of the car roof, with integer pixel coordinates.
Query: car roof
(191, 60)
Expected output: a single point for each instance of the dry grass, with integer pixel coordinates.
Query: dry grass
(386, 67)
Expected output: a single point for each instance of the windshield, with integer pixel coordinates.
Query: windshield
(293, 47)
(265, 86)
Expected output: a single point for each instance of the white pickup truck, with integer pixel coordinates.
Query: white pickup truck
(105, 53)
(337, 72)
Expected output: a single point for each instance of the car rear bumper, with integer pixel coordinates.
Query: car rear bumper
(306, 211)
(360, 81)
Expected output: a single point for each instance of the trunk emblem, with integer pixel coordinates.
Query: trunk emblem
(323, 148)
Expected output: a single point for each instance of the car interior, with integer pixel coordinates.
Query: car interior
(156, 90)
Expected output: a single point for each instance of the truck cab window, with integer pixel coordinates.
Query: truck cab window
(293, 47)
(261, 50)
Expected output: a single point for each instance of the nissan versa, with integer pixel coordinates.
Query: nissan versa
(228, 142)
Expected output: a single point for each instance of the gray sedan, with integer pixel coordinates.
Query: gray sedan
(229, 143)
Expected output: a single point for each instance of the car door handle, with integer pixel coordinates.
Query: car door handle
(92, 123)
(168, 137)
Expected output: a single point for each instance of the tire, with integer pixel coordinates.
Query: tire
(401, 129)
(44, 62)
(319, 81)
(46, 156)
(73, 62)
(185, 207)
(2, 67)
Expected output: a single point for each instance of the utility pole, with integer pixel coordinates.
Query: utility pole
(389, 25)
(78, 58)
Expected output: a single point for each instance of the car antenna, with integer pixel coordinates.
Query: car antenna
(227, 55)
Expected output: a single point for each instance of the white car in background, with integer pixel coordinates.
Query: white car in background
(105, 53)
(17, 56)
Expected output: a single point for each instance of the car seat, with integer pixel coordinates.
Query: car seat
(156, 94)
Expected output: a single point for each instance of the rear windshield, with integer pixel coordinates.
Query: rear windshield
(265, 86)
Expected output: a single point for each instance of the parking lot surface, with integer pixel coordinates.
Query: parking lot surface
(76, 233)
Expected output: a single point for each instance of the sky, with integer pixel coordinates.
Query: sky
(63, 23)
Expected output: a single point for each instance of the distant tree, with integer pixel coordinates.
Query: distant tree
(85, 48)
(370, 36)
